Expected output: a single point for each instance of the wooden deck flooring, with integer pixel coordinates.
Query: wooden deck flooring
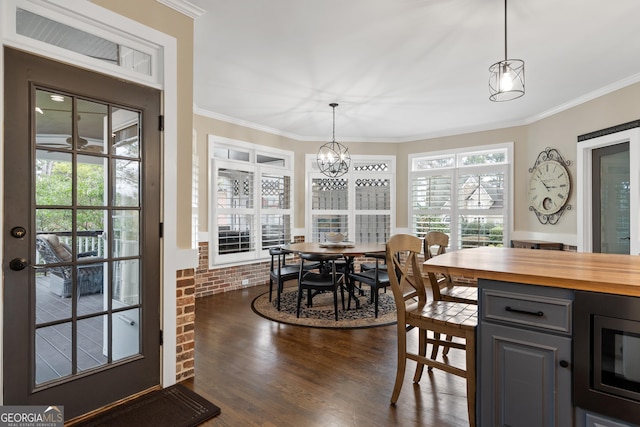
(262, 373)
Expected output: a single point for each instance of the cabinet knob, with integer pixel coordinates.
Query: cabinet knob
(564, 363)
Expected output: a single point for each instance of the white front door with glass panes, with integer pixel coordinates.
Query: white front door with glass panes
(359, 204)
(462, 193)
(251, 193)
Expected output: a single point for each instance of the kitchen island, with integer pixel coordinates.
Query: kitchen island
(607, 273)
(550, 333)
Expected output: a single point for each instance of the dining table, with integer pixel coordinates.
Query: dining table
(349, 250)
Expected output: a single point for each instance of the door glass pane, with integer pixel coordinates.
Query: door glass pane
(127, 185)
(126, 233)
(90, 226)
(53, 285)
(126, 283)
(50, 305)
(91, 342)
(54, 123)
(91, 177)
(92, 126)
(126, 133)
(53, 178)
(91, 281)
(615, 235)
(126, 333)
(53, 352)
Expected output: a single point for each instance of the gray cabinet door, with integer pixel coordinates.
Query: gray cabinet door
(522, 379)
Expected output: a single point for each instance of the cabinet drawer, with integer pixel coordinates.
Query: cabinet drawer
(527, 310)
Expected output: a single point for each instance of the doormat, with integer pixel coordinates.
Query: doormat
(174, 406)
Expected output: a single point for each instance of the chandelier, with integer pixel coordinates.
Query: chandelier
(506, 78)
(333, 158)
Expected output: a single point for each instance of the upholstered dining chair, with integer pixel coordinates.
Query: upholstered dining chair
(375, 278)
(364, 266)
(438, 316)
(325, 279)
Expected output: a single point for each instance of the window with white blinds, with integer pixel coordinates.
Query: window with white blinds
(464, 194)
(360, 204)
(251, 200)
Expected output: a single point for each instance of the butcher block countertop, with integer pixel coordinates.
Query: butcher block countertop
(607, 273)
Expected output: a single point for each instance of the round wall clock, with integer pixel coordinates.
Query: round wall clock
(549, 186)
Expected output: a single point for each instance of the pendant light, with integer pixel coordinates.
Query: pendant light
(506, 79)
(333, 158)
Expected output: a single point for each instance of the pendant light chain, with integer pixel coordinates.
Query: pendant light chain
(506, 77)
(505, 30)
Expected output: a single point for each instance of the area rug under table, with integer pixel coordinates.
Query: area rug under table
(175, 406)
(321, 315)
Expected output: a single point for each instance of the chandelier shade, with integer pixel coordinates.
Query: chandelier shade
(333, 158)
(506, 78)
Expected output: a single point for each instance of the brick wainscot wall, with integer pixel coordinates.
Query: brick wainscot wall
(185, 323)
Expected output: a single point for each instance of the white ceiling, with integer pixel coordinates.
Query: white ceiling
(404, 70)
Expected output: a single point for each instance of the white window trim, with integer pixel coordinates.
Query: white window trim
(454, 171)
(242, 258)
(311, 173)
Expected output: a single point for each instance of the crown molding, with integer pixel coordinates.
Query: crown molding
(184, 7)
(413, 138)
(620, 84)
(438, 134)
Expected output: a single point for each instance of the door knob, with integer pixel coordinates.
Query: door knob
(18, 264)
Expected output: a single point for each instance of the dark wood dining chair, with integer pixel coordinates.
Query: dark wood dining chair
(415, 310)
(325, 279)
(376, 278)
(280, 272)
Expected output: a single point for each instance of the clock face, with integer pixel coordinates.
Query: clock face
(549, 187)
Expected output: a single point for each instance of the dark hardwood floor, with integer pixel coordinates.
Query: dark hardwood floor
(263, 373)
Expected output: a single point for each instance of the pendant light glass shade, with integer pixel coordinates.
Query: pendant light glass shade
(333, 158)
(506, 78)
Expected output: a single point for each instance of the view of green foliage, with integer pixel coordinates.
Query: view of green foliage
(54, 192)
